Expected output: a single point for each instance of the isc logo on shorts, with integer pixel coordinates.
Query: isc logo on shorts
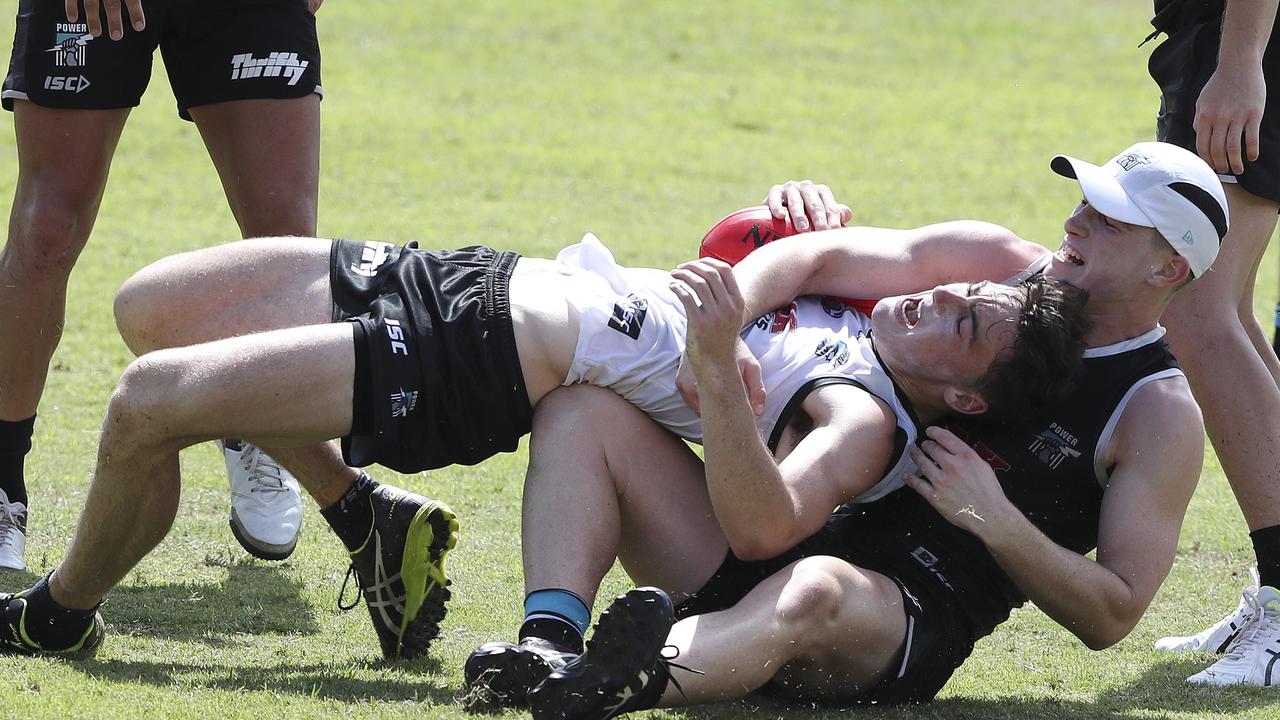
(396, 333)
(66, 84)
(277, 64)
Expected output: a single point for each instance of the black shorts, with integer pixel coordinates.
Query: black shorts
(438, 378)
(939, 634)
(1181, 65)
(214, 51)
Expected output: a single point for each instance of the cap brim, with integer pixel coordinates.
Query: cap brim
(1101, 189)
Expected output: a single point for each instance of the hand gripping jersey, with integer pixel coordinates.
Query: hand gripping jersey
(632, 333)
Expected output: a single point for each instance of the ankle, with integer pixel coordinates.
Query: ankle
(66, 599)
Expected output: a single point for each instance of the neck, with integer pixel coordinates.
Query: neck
(925, 397)
(1121, 319)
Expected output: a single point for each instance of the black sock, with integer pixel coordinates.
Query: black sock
(352, 517)
(15, 443)
(1266, 548)
(1275, 337)
(554, 630)
(51, 625)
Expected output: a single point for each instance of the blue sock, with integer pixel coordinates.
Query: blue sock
(556, 615)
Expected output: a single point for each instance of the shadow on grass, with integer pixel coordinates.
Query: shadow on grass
(1161, 692)
(329, 682)
(254, 599)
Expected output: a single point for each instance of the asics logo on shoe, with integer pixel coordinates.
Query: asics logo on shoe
(277, 64)
(627, 693)
(383, 587)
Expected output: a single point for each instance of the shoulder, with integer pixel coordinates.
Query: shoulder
(848, 408)
(1161, 425)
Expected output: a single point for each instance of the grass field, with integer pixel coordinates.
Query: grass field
(521, 125)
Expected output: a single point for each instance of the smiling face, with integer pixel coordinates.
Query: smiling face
(948, 336)
(1104, 255)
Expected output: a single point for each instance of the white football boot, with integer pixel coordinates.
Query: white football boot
(266, 504)
(1219, 636)
(1254, 658)
(13, 534)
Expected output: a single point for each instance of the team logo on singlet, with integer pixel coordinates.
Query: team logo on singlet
(275, 65)
(1054, 445)
(70, 43)
(834, 308)
(403, 402)
(628, 316)
(835, 352)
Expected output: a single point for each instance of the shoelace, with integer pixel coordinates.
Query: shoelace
(351, 572)
(264, 475)
(1250, 634)
(9, 524)
(670, 661)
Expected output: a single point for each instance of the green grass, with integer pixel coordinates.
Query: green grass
(523, 126)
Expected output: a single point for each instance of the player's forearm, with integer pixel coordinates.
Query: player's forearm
(750, 500)
(777, 273)
(1091, 601)
(1246, 29)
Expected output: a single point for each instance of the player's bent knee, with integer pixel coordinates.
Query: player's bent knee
(813, 593)
(142, 402)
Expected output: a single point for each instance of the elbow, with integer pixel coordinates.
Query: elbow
(757, 547)
(1102, 637)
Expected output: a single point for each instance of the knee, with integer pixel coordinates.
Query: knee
(812, 597)
(139, 405)
(142, 309)
(46, 240)
(574, 412)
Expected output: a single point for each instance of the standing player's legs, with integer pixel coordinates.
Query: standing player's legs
(1232, 381)
(248, 74)
(63, 160)
(267, 154)
(1235, 382)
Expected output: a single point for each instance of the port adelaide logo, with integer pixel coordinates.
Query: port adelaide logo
(70, 45)
(1055, 445)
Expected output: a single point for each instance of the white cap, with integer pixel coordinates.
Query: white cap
(1161, 186)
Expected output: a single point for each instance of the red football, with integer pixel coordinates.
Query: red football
(742, 232)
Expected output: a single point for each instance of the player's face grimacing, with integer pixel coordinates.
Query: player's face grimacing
(949, 335)
(1099, 253)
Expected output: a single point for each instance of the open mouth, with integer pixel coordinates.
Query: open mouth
(911, 311)
(1068, 254)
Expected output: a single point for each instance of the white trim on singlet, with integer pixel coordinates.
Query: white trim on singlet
(1125, 346)
(14, 95)
(1099, 454)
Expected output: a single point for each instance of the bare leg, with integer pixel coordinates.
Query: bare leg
(1235, 388)
(267, 153)
(239, 386)
(53, 212)
(232, 290)
(604, 480)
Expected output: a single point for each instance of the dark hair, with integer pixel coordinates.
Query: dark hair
(1044, 362)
